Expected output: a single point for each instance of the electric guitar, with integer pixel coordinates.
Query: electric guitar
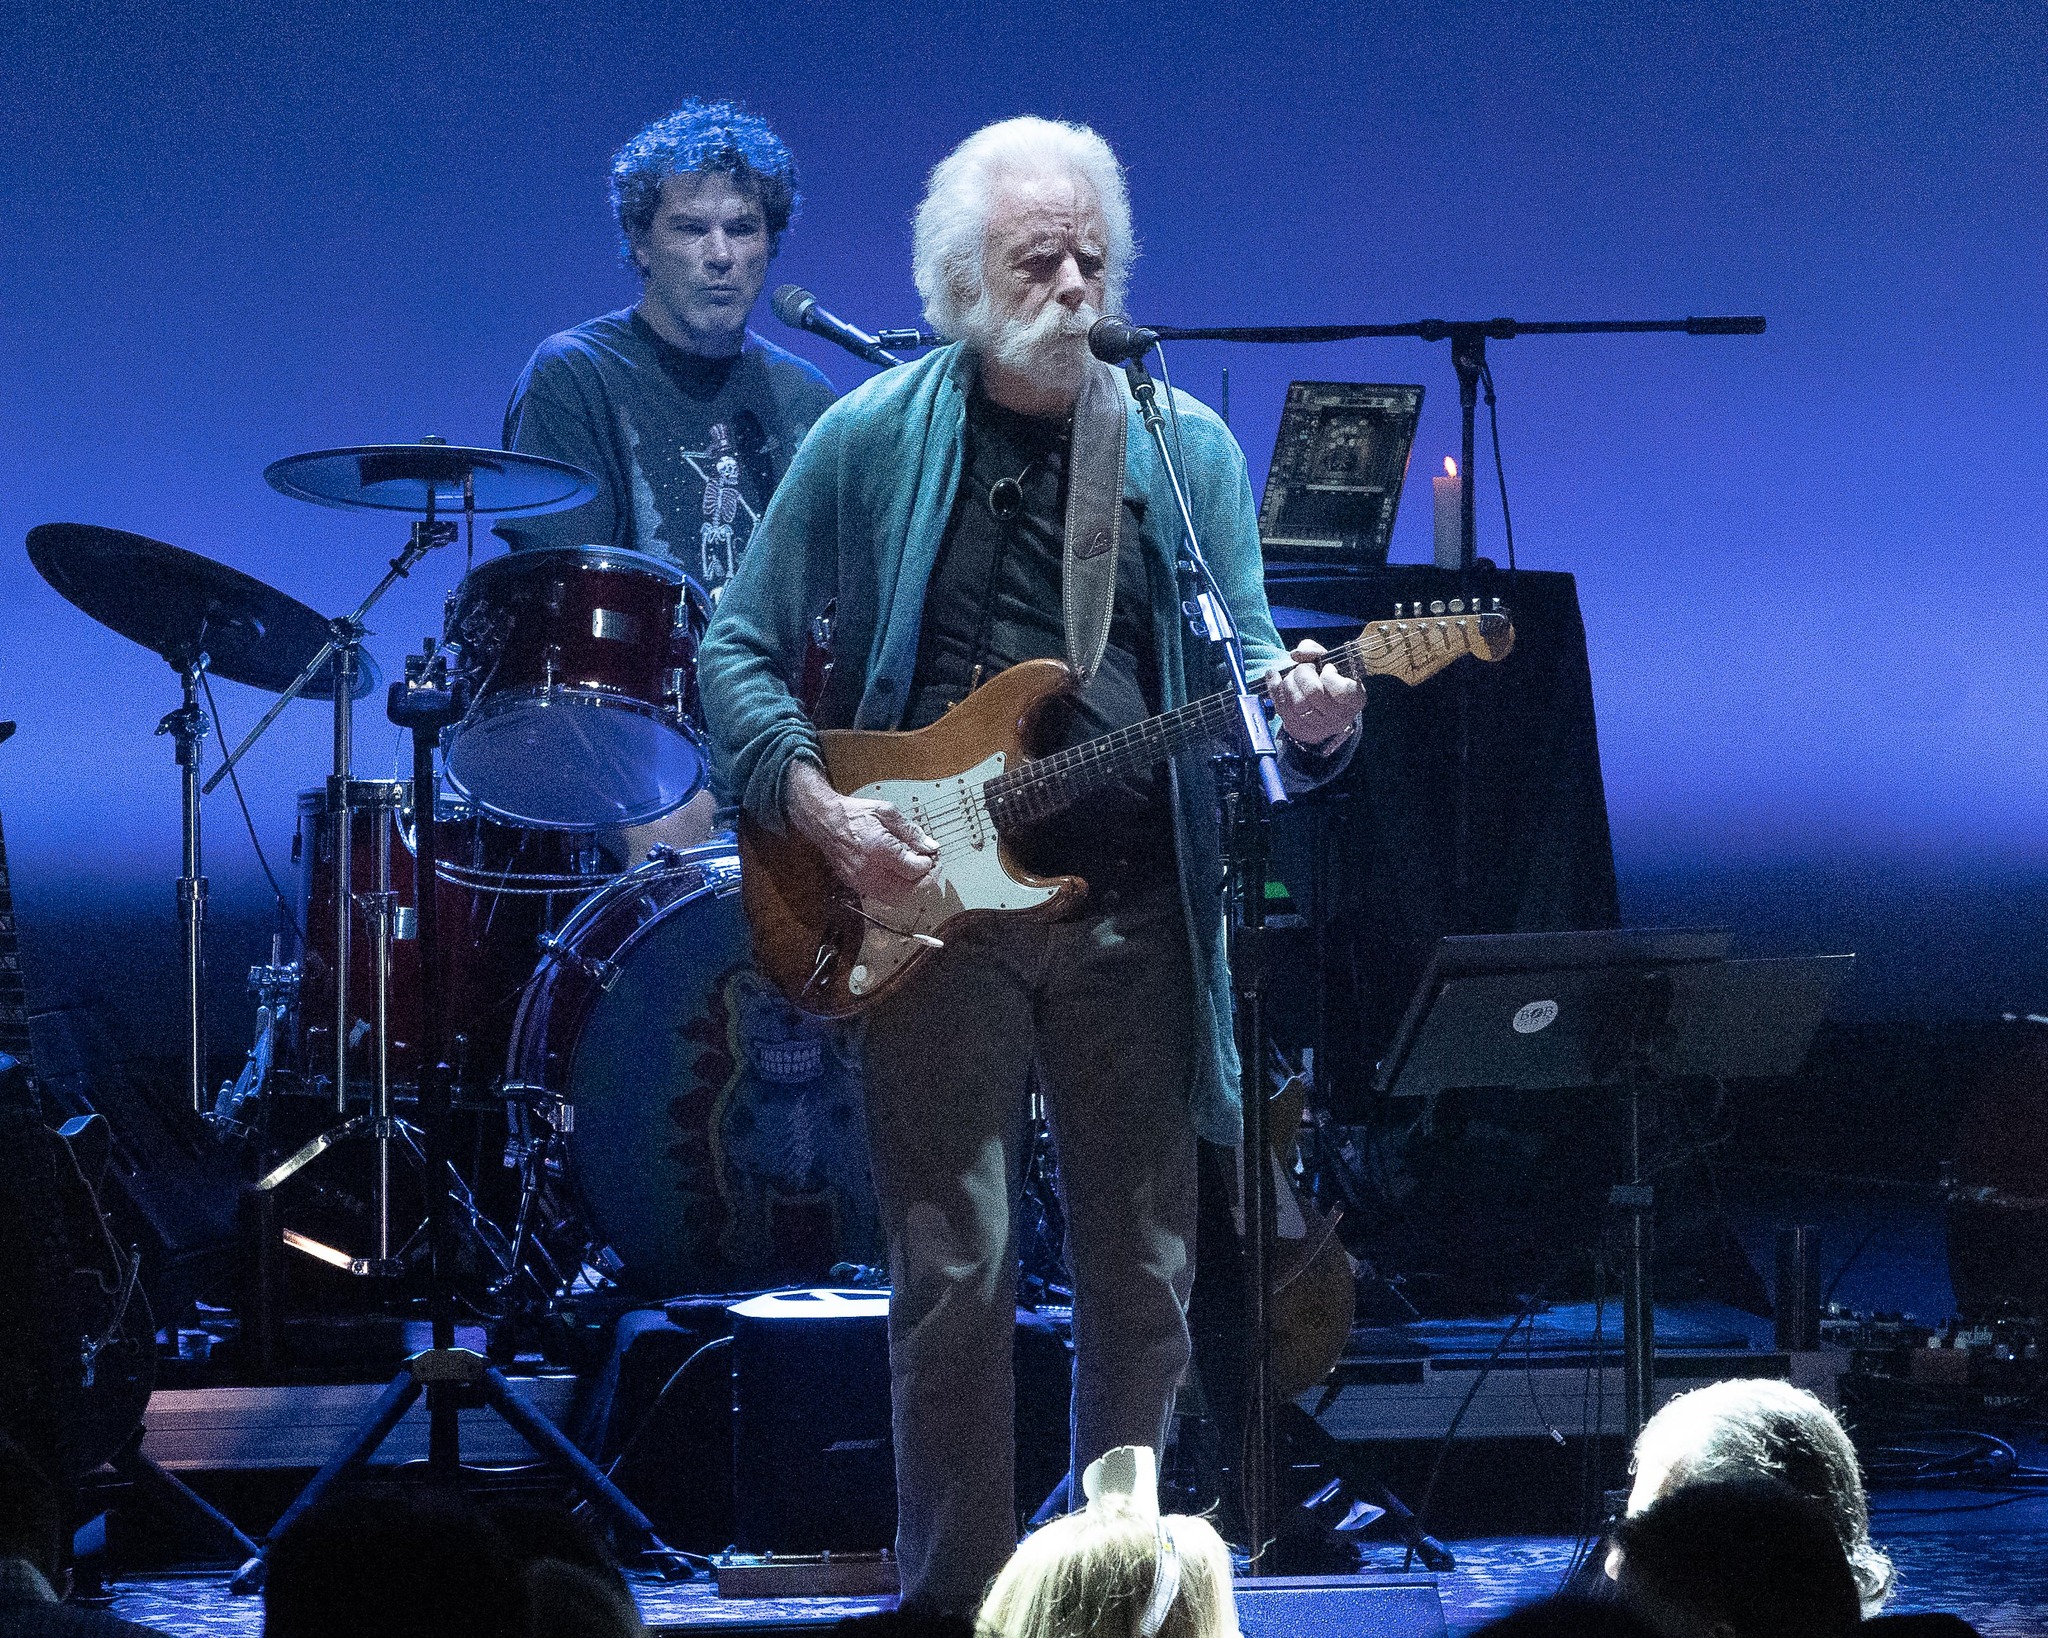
(969, 780)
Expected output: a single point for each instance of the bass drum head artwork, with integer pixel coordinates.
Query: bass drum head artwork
(717, 1140)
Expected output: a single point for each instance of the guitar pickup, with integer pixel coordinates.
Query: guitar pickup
(971, 809)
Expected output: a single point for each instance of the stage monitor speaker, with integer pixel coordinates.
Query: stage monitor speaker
(813, 1467)
(1347, 1606)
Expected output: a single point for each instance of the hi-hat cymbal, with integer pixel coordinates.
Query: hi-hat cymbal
(181, 605)
(400, 477)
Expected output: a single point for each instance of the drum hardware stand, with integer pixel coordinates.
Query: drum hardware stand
(275, 985)
(425, 703)
(344, 648)
(379, 1124)
(187, 729)
(529, 1150)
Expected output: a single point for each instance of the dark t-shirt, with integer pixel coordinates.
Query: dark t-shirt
(685, 449)
(995, 599)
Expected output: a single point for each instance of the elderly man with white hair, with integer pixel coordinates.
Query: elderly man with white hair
(995, 502)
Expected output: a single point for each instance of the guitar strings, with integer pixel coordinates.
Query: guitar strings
(949, 822)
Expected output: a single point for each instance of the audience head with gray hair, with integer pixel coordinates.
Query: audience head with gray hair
(1767, 1429)
(1024, 240)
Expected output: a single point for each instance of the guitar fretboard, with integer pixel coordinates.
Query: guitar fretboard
(1043, 786)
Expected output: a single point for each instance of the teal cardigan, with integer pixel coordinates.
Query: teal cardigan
(859, 518)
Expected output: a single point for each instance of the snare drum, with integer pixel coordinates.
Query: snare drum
(713, 1134)
(502, 887)
(581, 665)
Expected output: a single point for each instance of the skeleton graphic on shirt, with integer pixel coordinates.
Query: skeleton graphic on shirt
(718, 465)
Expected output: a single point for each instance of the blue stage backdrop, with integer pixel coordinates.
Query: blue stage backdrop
(1810, 563)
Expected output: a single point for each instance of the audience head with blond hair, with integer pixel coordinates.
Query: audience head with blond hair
(1756, 1427)
(1116, 1568)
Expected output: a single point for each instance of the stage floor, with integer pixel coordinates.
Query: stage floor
(1981, 1555)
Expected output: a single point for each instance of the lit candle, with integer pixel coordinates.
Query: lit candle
(1449, 495)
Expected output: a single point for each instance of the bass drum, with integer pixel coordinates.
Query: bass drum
(711, 1132)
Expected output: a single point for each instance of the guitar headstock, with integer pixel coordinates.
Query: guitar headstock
(1422, 638)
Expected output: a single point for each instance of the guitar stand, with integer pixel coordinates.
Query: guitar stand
(1302, 1439)
(450, 1377)
(1302, 1539)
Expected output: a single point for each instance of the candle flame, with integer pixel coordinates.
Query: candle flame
(1450, 467)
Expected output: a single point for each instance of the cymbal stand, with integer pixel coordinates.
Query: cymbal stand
(187, 729)
(425, 703)
(344, 647)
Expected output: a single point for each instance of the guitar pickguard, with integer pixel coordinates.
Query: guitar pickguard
(969, 875)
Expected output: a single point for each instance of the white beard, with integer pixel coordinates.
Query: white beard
(1050, 351)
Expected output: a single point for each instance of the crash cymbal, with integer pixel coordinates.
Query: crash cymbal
(180, 605)
(400, 477)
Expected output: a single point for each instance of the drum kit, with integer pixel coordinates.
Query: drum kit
(670, 1124)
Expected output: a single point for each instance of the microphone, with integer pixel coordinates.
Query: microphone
(1119, 341)
(799, 309)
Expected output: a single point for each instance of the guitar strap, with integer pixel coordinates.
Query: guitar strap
(1095, 503)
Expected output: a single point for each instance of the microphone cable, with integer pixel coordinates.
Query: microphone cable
(1180, 453)
(284, 906)
(1493, 420)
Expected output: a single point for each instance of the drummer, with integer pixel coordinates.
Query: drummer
(686, 417)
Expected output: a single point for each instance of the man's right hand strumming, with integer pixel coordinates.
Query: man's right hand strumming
(871, 846)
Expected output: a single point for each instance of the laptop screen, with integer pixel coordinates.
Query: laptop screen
(1335, 481)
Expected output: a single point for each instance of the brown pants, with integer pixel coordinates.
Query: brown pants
(1102, 1004)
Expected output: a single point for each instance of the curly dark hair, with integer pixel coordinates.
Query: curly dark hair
(697, 138)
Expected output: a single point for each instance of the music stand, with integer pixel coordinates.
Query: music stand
(1550, 1012)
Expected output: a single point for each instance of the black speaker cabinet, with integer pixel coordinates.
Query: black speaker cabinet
(813, 1470)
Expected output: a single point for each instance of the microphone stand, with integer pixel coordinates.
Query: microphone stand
(1249, 798)
(187, 729)
(1468, 339)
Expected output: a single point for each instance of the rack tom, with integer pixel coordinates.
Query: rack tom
(580, 663)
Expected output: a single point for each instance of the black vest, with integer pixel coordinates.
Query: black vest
(994, 599)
